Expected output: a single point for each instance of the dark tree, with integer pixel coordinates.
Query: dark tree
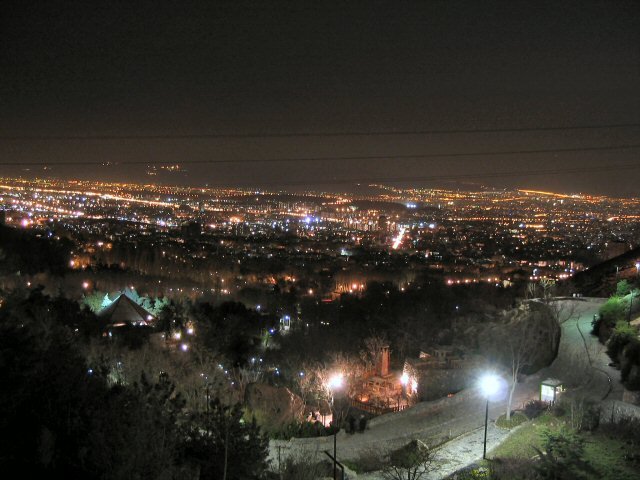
(232, 330)
(133, 432)
(62, 419)
(225, 446)
(23, 251)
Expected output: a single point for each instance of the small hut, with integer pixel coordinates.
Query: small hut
(549, 390)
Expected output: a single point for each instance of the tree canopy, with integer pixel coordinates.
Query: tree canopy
(61, 417)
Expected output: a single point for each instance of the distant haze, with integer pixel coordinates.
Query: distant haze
(120, 71)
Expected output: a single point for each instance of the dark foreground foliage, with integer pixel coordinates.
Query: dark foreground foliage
(63, 419)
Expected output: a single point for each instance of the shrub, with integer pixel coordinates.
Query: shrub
(301, 430)
(630, 365)
(613, 310)
(595, 325)
(371, 460)
(411, 462)
(475, 473)
(623, 288)
(534, 408)
(621, 336)
(584, 414)
(562, 455)
(517, 418)
(304, 468)
(362, 424)
(511, 469)
(558, 409)
(627, 429)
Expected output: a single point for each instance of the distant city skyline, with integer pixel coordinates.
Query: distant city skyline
(182, 180)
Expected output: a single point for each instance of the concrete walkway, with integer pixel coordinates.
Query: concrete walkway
(457, 453)
(582, 362)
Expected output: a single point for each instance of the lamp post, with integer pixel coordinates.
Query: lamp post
(335, 382)
(489, 384)
(631, 293)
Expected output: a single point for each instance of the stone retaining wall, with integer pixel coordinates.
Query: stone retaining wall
(614, 411)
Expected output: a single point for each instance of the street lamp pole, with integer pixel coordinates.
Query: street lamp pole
(333, 423)
(335, 382)
(486, 423)
(489, 384)
(631, 301)
(335, 466)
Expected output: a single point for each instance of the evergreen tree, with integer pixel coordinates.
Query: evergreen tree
(225, 446)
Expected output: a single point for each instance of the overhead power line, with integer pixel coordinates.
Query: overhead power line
(427, 178)
(451, 177)
(356, 133)
(328, 158)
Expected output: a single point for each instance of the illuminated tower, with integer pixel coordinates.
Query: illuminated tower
(384, 361)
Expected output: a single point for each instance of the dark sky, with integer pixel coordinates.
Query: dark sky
(96, 69)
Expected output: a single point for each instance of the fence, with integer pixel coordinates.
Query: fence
(377, 409)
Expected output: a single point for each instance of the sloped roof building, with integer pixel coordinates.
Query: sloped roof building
(124, 311)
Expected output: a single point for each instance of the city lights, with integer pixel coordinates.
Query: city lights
(272, 229)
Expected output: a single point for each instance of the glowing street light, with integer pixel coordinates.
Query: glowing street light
(336, 381)
(489, 384)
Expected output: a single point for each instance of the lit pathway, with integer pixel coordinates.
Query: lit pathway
(582, 361)
(457, 453)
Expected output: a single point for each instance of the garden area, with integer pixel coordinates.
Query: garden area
(564, 442)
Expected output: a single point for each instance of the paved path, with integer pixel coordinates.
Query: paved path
(582, 361)
(465, 449)
(457, 423)
(433, 422)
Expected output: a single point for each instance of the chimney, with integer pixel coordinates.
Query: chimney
(384, 361)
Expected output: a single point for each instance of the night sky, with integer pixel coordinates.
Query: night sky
(133, 78)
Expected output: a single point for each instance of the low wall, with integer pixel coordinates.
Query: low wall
(632, 397)
(436, 383)
(612, 411)
(426, 407)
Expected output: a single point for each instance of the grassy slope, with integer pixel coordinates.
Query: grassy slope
(604, 453)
